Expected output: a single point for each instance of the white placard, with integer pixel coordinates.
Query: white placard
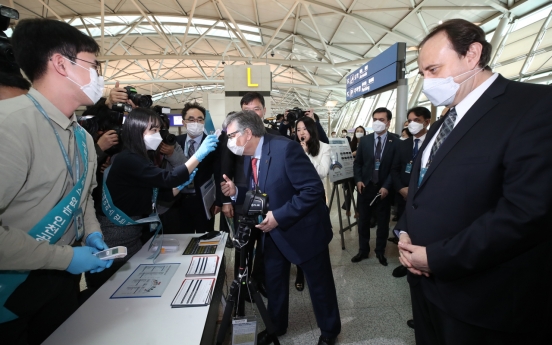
(341, 160)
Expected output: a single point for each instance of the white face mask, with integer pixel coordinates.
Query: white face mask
(379, 126)
(441, 91)
(343, 135)
(333, 135)
(195, 129)
(415, 127)
(359, 135)
(234, 148)
(152, 141)
(94, 89)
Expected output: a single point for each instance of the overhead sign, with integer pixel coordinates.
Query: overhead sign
(383, 70)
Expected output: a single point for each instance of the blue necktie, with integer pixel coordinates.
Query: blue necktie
(375, 174)
(415, 151)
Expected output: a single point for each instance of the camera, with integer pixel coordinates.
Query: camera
(143, 101)
(293, 115)
(272, 54)
(7, 59)
(168, 138)
(255, 208)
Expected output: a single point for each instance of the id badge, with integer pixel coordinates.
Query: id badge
(78, 223)
(422, 174)
(377, 165)
(408, 169)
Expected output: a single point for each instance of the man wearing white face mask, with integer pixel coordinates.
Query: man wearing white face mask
(192, 211)
(372, 167)
(473, 234)
(47, 171)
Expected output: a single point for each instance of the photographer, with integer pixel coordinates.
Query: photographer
(297, 227)
(292, 115)
(47, 173)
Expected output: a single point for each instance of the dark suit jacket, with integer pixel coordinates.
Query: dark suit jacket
(403, 156)
(296, 198)
(206, 167)
(483, 210)
(365, 162)
(232, 166)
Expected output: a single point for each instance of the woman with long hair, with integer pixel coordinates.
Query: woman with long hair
(131, 181)
(359, 133)
(306, 133)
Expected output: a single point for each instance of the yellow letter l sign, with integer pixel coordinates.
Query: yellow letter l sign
(249, 84)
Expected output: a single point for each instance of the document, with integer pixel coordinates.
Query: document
(203, 266)
(208, 196)
(146, 281)
(194, 293)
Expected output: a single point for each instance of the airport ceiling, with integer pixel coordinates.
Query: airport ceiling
(177, 49)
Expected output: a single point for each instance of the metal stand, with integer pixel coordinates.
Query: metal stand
(350, 226)
(233, 299)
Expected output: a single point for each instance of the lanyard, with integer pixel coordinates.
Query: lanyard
(63, 151)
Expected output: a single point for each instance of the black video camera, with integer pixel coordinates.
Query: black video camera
(294, 114)
(168, 138)
(7, 59)
(255, 208)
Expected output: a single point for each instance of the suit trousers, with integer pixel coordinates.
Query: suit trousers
(318, 273)
(382, 210)
(435, 327)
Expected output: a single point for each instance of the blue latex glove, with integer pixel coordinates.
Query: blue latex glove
(207, 146)
(84, 261)
(192, 175)
(95, 240)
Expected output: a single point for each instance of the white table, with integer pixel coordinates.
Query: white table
(101, 320)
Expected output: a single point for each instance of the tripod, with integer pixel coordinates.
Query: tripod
(233, 297)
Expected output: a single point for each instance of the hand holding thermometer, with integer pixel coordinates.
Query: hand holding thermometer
(112, 253)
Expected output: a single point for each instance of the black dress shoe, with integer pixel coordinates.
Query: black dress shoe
(400, 271)
(359, 257)
(300, 280)
(326, 341)
(263, 338)
(395, 219)
(382, 259)
(410, 323)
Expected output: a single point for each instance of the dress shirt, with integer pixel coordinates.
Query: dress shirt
(34, 179)
(461, 110)
(197, 143)
(257, 154)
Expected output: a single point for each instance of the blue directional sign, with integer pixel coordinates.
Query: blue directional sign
(381, 71)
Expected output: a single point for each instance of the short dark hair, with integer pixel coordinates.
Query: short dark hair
(420, 111)
(461, 35)
(134, 127)
(193, 105)
(279, 117)
(384, 110)
(13, 80)
(250, 97)
(36, 40)
(313, 143)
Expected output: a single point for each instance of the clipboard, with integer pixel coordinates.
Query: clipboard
(208, 196)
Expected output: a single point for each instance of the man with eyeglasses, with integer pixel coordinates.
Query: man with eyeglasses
(48, 172)
(192, 215)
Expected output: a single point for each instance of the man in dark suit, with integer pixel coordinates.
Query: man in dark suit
(418, 119)
(297, 227)
(231, 165)
(372, 168)
(192, 215)
(479, 202)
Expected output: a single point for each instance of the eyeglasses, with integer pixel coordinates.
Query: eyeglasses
(233, 134)
(193, 119)
(96, 65)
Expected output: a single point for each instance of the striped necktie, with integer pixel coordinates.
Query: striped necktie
(446, 128)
